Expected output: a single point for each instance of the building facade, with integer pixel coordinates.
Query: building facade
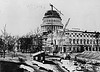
(78, 41)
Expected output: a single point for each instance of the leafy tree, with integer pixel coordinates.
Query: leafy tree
(31, 42)
(8, 41)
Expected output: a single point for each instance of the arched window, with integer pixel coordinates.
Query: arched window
(77, 41)
(91, 41)
(84, 41)
(70, 40)
(87, 41)
(73, 41)
(80, 41)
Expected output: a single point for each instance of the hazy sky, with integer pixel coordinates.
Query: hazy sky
(23, 16)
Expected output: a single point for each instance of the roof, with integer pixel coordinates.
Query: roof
(37, 53)
(67, 30)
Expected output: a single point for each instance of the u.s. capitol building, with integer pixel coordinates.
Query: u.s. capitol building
(72, 40)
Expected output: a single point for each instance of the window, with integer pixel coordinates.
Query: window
(84, 35)
(73, 41)
(77, 41)
(84, 41)
(87, 35)
(94, 42)
(66, 33)
(87, 41)
(91, 35)
(90, 41)
(73, 35)
(70, 41)
(80, 35)
(80, 41)
(70, 35)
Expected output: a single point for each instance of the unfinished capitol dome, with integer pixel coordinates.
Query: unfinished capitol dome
(51, 21)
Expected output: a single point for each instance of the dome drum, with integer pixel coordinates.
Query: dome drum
(52, 21)
(49, 24)
(54, 27)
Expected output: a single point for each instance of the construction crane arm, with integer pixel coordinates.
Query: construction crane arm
(58, 10)
(55, 8)
(65, 27)
(63, 31)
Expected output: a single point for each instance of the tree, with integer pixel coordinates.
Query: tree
(5, 34)
(11, 43)
(37, 31)
(8, 41)
(38, 39)
(31, 42)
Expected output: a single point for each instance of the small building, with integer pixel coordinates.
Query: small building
(39, 56)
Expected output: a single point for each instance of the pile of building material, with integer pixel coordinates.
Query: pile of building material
(91, 56)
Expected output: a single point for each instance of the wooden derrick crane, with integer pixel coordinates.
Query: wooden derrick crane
(52, 6)
(53, 44)
(62, 35)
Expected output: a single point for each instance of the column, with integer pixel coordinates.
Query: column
(79, 48)
(72, 48)
(75, 49)
(88, 49)
(91, 48)
(56, 27)
(98, 49)
(85, 48)
(60, 49)
(53, 28)
(45, 28)
(95, 48)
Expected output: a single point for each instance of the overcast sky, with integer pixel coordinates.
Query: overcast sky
(23, 16)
